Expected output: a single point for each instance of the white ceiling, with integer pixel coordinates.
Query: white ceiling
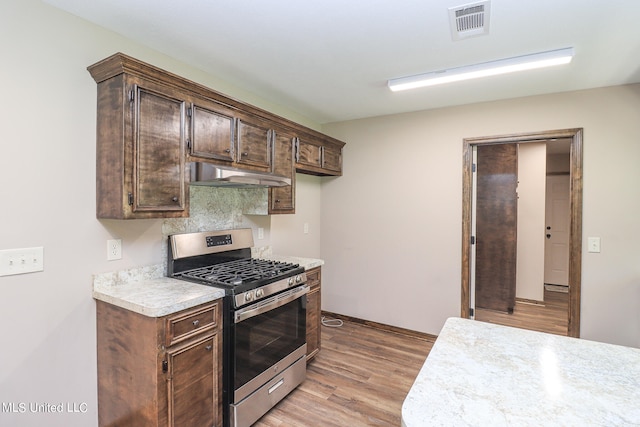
(330, 60)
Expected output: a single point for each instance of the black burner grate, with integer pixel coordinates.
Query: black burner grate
(241, 271)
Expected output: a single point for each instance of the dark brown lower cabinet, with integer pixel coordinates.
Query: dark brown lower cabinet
(159, 372)
(314, 316)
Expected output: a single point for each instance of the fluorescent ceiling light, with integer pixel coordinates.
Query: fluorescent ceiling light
(493, 68)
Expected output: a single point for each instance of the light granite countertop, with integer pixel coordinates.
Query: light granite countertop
(480, 374)
(147, 291)
(307, 263)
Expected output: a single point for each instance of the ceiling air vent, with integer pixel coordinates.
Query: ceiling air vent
(469, 20)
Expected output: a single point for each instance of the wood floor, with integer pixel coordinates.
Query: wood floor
(552, 317)
(359, 378)
(362, 374)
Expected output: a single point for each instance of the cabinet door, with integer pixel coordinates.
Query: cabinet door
(332, 159)
(308, 154)
(314, 315)
(254, 146)
(318, 157)
(212, 132)
(282, 199)
(159, 143)
(193, 384)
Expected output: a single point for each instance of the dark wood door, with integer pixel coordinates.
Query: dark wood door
(496, 227)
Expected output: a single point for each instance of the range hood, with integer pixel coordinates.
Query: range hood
(211, 175)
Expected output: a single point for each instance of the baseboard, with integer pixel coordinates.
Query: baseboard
(556, 288)
(381, 326)
(530, 301)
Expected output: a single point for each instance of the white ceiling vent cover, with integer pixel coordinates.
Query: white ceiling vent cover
(469, 20)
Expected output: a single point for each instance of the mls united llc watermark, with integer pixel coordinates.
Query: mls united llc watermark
(40, 408)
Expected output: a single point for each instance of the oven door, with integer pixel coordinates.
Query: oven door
(269, 336)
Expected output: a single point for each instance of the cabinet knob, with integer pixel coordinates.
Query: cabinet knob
(174, 199)
(277, 200)
(227, 150)
(196, 322)
(209, 347)
(245, 154)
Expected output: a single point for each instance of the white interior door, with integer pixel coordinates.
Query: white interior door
(556, 265)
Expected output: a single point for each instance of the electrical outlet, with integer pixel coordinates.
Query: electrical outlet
(260, 233)
(20, 261)
(305, 228)
(114, 249)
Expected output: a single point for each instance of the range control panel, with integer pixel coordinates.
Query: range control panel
(222, 240)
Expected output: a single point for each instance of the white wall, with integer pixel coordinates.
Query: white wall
(47, 165)
(392, 224)
(532, 164)
(288, 235)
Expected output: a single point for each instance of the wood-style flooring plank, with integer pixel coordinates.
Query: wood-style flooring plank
(551, 317)
(362, 374)
(359, 378)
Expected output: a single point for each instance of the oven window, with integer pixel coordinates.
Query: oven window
(263, 340)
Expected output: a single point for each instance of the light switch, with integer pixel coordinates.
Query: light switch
(20, 261)
(593, 244)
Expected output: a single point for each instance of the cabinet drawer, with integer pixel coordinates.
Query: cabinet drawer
(192, 322)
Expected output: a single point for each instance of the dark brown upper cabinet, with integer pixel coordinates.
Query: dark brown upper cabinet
(212, 133)
(152, 124)
(254, 143)
(226, 136)
(318, 156)
(159, 140)
(282, 199)
(140, 150)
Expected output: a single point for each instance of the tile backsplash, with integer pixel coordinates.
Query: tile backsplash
(211, 208)
(218, 208)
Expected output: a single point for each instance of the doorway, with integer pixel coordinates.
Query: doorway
(574, 137)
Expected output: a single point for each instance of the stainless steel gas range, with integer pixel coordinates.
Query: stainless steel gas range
(264, 317)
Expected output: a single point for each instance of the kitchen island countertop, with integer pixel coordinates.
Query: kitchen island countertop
(484, 374)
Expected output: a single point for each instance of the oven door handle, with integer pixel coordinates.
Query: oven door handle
(270, 303)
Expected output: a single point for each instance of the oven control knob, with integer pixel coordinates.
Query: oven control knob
(290, 281)
(248, 296)
(259, 293)
(298, 279)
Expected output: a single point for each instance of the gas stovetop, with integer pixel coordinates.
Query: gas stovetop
(223, 259)
(243, 271)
